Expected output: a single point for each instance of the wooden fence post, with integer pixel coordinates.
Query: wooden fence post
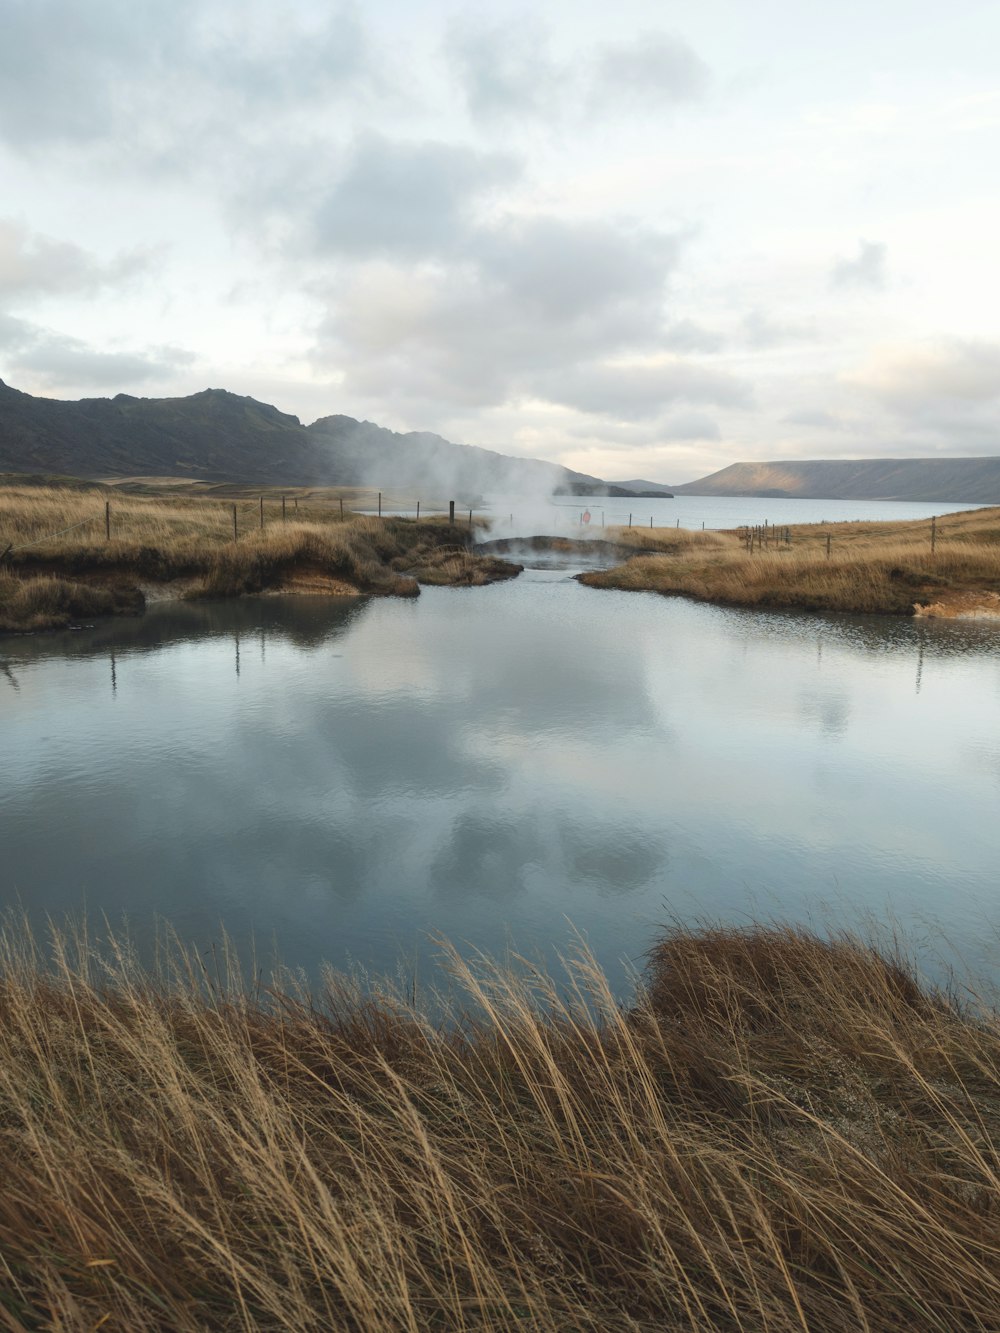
(828, 546)
(451, 511)
(933, 533)
(380, 504)
(235, 533)
(630, 520)
(418, 509)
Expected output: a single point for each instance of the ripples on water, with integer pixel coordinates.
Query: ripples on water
(337, 779)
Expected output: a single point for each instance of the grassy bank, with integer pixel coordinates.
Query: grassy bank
(868, 567)
(782, 1133)
(65, 557)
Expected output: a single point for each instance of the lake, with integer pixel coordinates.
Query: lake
(521, 515)
(340, 779)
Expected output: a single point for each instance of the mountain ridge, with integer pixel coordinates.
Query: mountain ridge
(960, 480)
(216, 435)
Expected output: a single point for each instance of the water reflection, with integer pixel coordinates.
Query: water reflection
(493, 763)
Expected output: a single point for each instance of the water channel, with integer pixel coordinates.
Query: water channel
(339, 780)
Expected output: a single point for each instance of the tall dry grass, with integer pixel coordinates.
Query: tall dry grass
(781, 1133)
(59, 562)
(870, 567)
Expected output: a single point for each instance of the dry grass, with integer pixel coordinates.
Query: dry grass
(782, 1133)
(61, 564)
(886, 567)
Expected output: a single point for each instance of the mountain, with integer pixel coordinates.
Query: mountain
(419, 460)
(220, 436)
(962, 480)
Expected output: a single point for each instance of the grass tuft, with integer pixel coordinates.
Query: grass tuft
(781, 1132)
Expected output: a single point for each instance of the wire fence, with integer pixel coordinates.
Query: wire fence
(246, 516)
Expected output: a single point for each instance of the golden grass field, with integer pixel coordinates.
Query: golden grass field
(871, 567)
(781, 1133)
(63, 564)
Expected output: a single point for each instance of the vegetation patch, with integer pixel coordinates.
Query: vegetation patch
(781, 1132)
(890, 568)
(99, 546)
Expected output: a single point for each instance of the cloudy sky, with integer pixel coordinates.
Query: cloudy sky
(640, 239)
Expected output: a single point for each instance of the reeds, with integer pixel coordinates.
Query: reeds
(780, 1133)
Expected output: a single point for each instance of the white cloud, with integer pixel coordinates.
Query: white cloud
(654, 69)
(911, 378)
(524, 297)
(866, 270)
(631, 392)
(32, 265)
(504, 68)
(406, 198)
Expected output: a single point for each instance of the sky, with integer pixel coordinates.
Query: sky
(643, 240)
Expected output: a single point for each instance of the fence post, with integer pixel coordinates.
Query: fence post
(933, 533)
(630, 520)
(341, 506)
(235, 533)
(451, 511)
(380, 504)
(470, 518)
(828, 546)
(678, 522)
(418, 509)
(651, 522)
(107, 520)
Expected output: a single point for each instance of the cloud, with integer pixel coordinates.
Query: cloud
(819, 419)
(866, 270)
(685, 335)
(632, 392)
(406, 198)
(32, 265)
(504, 69)
(56, 360)
(524, 297)
(956, 371)
(168, 84)
(656, 69)
(761, 332)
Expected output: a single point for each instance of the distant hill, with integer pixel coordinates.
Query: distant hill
(219, 436)
(962, 480)
(646, 488)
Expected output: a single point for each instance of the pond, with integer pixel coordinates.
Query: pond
(339, 780)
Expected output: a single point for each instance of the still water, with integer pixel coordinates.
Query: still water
(339, 779)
